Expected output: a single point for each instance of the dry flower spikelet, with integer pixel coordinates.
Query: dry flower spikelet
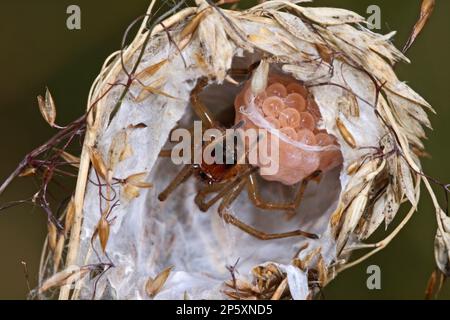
(377, 119)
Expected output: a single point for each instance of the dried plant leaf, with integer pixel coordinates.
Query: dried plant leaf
(442, 244)
(98, 163)
(295, 26)
(235, 33)
(442, 252)
(391, 206)
(426, 10)
(217, 49)
(103, 232)
(47, 108)
(308, 72)
(154, 286)
(377, 216)
(352, 216)
(151, 70)
(407, 182)
(192, 26)
(151, 89)
(331, 16)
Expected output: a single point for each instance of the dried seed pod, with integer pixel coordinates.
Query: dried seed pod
(70, 215)
(52, 235)
(154, 286)
(130, 192)
(28, 172)
(103, 232)
(345, 133)
(137, 180)
(98, 163)
(47, 108)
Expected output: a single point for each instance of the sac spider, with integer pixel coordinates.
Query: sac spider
(228, 181)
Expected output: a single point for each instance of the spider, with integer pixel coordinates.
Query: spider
(225, 182)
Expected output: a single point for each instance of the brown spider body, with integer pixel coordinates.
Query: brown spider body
(217, 173)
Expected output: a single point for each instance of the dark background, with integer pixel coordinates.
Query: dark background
(38, 50)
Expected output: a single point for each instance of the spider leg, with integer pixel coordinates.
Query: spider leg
(290, 207)
(165, 153)
(182, 176)
(200, 198)
(244, 71)
(199, 108)
(222, 188)
(255, 196)
(224, 213)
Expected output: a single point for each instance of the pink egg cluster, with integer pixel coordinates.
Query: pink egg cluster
(286, 105)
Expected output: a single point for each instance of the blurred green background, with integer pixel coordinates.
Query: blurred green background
(38, 50)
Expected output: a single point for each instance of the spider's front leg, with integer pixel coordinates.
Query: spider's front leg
(182, 176)
(199, 108)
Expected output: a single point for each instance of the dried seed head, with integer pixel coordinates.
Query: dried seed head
(345, 133)
(47, 108)
(137, 180)
(442, 244)
(425, 13)
(154, 286)
(98, 163)
(70, 214)
(103, 232)
(130, 192)
(28, 172)
(52, 235)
